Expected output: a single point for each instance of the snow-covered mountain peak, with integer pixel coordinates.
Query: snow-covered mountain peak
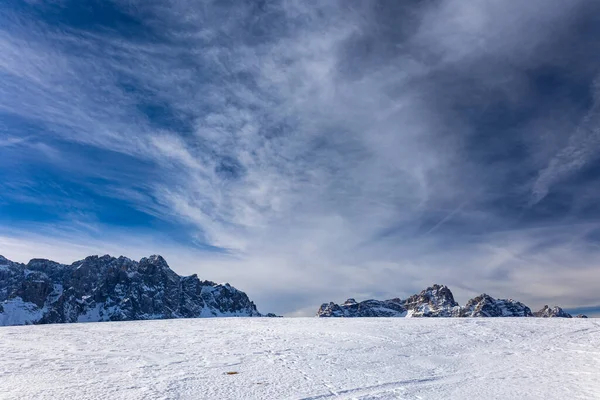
(436, 301)
(487, 306)
(102, 288)
(552, 312)
(155, 259)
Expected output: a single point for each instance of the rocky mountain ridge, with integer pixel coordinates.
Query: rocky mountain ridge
(555, 312)
(111, 289)
(438, 301)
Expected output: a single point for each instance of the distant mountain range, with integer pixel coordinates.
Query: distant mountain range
(438, 301)
(106, 288)
(111, 289)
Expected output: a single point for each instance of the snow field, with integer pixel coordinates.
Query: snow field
(304, 358)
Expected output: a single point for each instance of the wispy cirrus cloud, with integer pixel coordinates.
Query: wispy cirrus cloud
(580, 151)
(324, 148)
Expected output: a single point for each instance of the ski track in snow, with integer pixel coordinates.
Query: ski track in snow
(304, 358)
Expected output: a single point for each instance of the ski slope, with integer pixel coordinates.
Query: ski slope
(307, 358)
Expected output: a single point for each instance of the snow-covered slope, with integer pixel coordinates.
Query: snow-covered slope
(436, 301)
(307, 358)
(110, 289)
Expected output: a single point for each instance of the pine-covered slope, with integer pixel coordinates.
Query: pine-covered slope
(110, 289)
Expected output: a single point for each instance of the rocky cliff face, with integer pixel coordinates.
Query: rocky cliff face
(486, 306)
(368, 308)
(110, 289)
(436, 301)
(552, 312)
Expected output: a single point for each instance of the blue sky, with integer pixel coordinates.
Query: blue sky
(308, 151)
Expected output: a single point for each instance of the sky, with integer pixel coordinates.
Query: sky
(309, 151)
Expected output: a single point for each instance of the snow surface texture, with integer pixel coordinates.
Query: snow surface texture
(333, 358)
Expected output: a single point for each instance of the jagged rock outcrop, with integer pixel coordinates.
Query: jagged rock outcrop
(368, 308)
(110, 289)
(437, 301)
(580, 316)
(486, 306)
(552, 312)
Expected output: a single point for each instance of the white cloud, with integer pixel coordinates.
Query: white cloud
(582, 148)
(319, 163)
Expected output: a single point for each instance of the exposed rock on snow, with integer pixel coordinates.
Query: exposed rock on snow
(486, 306)
(437, 301)
(368, 308)
(110, 289)
(552, 312)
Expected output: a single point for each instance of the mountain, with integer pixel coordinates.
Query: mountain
(552, 312)
(369, 308)
(486, 306)
(437, 301)
(111, 289)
